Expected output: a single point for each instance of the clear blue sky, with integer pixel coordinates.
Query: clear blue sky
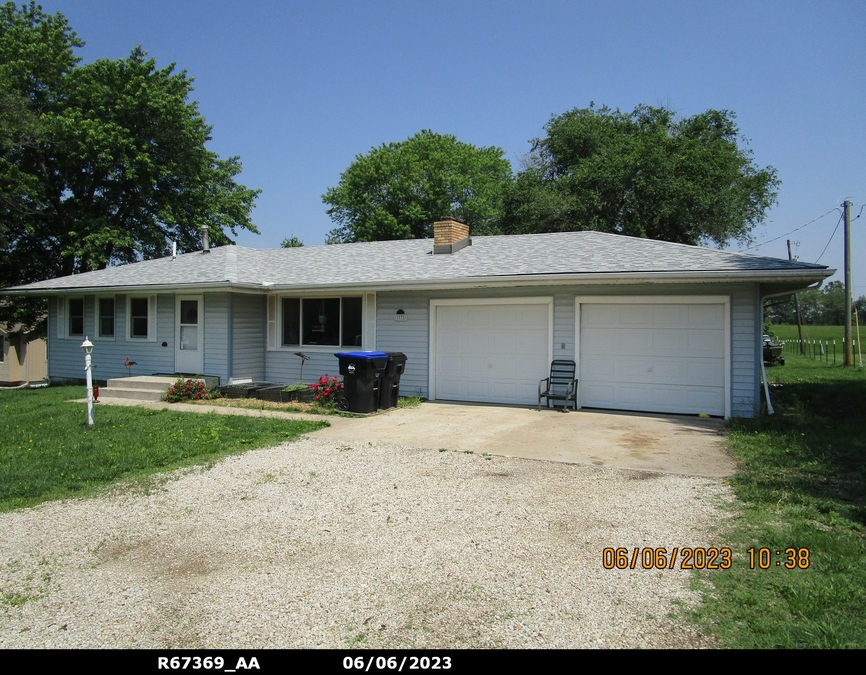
(298, 89)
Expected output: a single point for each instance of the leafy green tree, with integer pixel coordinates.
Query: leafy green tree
(291, 242)
(643, 174)
(397, 191)
(818, 306)
(100, 164)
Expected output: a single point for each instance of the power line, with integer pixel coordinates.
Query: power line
(791, 232)
(831, 239)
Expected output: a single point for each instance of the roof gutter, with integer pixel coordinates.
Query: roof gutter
(153, 288)
(804, 277)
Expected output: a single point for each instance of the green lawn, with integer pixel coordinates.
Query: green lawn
(801, 485)
(47, 452)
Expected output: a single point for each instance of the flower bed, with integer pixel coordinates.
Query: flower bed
(190, 390)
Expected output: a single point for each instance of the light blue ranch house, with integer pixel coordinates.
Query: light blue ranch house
(652, 326)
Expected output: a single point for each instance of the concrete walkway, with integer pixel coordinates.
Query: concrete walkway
(643, 442)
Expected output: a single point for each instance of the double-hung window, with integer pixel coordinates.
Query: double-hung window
(141, 318)
(105, 318)
(75, 327)
(328, 322)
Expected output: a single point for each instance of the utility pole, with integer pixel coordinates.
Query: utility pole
(797, 307)
(848, 356)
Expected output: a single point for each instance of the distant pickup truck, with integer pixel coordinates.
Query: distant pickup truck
(772, 352)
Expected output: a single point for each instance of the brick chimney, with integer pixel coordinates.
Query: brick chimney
(450, 235)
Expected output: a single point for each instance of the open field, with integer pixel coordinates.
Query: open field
(788, 332)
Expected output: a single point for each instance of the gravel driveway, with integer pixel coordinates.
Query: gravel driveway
(322, 544)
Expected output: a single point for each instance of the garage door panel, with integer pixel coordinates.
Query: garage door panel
(598, 369)
(633, 315)
(705, 373)
(655, 357)
(502, 342)
(668, 342)
(690, 400)
(501, 355)
(597, 341)
(452, 342)
(709, 316)
(668, 371)
(597, 395)
(602, 315)
(670, 315)
(635, 370)
(630, 397)
(532, 342)
(632, 342)
(448, 388)
(705, 343)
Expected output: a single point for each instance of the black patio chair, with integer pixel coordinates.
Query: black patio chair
(560, 386)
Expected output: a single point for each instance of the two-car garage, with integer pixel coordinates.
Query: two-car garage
(654, 354)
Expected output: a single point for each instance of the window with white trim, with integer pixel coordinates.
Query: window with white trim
(327, 322)
(105, 318)
(141, 318)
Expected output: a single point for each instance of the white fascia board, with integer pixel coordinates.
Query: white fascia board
(153, 288)
(795, 278)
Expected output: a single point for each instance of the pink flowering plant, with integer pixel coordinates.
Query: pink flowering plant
(327, 390)
(190, 390)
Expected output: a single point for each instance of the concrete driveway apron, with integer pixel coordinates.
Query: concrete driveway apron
(643, 442)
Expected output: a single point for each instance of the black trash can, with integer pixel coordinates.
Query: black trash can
(362, 378)
(389, 390)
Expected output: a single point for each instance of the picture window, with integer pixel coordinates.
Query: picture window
(331, 322)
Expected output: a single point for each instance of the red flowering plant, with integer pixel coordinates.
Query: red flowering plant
(190, 390)
(328, 390)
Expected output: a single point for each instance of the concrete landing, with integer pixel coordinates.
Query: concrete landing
(145, 387)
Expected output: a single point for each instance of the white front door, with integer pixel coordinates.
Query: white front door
(189, 334)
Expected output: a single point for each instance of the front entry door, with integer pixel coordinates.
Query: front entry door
(189, 332)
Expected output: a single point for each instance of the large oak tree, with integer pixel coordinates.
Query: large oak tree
(100, 164)
(644, 174)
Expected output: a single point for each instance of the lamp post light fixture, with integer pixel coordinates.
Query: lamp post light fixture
(87, 346)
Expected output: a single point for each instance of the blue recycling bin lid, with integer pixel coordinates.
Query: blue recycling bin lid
(362, 355)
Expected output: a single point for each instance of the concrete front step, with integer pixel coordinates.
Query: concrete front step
(145, 387)
(138, 394)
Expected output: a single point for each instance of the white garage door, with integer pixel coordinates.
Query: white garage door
(491, 353)
(653, 357)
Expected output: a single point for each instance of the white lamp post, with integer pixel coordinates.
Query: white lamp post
(87, 346)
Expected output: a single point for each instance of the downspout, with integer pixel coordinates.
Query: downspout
(764, 298)
(230, 347)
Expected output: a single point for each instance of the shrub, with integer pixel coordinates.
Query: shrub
(189, 390)
(328, 390)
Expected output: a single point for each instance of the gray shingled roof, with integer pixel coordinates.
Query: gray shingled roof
(389, 263)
